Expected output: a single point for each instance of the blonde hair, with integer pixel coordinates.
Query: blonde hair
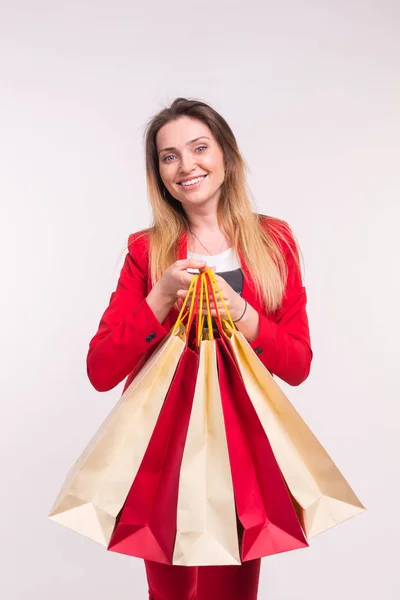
(258, 238)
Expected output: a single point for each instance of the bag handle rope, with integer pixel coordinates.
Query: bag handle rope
(203, 285)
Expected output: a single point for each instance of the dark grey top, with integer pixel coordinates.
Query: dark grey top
(234, 279)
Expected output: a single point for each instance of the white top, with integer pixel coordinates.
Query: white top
(225, 261)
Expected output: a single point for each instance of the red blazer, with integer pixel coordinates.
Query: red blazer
(129, 331)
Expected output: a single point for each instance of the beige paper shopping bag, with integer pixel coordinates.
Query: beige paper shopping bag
(97, 485)
(323, 496)
(206, 515)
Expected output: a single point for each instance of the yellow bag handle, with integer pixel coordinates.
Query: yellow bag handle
(200, 317)
(191, 291)
(215, 282)
(204, 290)
(200, 322)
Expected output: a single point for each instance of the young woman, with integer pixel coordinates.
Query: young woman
(202, 218)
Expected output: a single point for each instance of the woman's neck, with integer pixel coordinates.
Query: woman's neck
(202, 219)
(207, 242)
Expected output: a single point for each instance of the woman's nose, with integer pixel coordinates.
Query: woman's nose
(187, 163)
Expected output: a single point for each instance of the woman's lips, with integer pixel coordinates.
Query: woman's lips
(194, 185)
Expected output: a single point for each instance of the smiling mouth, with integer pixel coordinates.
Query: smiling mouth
(192, 183)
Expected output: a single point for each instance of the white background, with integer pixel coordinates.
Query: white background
(312, 92)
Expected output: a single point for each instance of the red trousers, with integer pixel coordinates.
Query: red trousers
(233, 582)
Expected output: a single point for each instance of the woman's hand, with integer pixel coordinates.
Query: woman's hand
(175, 281)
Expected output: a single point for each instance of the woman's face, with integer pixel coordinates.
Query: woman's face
(191, 162)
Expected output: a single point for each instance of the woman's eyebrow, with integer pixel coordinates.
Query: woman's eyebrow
(202, 137)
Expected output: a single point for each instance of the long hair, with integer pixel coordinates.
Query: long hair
(244, 228)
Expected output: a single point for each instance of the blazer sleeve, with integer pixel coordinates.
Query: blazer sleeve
(283, 343)
(128, 327)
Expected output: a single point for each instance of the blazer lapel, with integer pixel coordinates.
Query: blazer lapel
(182, 245)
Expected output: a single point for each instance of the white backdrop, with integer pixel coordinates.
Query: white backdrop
(312, 92)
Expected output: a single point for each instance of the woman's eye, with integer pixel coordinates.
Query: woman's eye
(167, 158)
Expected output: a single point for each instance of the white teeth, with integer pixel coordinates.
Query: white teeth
(192, 181)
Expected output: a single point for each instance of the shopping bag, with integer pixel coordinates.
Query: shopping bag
(265, 509)
(181, 504)
(206, 514)
(322, 496)
(264, 506)
(320, 493)
(97, 485)
(146, 527)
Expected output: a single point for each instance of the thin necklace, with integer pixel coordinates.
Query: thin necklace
(193, 233)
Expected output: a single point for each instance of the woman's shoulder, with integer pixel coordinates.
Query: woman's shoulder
(138, 242)
(279, 230)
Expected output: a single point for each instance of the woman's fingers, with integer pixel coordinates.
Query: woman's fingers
(189, 263)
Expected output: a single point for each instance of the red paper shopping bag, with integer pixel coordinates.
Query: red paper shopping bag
(264, 507)
(146, 526)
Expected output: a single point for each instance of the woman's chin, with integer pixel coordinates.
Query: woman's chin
(198, 200)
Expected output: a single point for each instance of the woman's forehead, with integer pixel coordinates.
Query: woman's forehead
(181, 132)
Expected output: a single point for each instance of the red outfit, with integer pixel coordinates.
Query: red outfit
(128, 329)
(128, 333)
(233, 582)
